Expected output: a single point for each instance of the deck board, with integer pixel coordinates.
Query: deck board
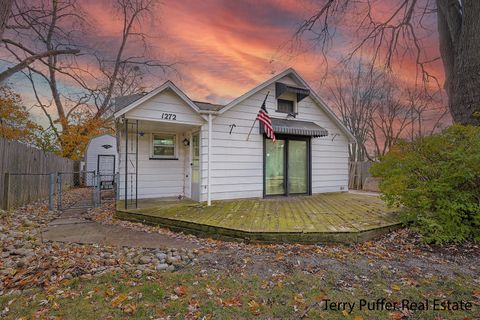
(321, 216)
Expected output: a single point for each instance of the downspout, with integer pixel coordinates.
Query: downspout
(209, 163)
(126, 163)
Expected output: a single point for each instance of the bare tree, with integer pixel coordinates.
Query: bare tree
(420, 105)
(355, 93)
(391, 119)
(399, 33)
(5, 10)
(46, 26)
(379, 109)
(124, 72)
(132, 13)
(25, 54)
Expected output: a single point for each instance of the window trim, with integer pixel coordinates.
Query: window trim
(294, 107)
(175, 147)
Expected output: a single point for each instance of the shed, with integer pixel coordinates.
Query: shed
(101, 157)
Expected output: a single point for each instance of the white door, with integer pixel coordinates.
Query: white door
(106, 167)
(195, 167)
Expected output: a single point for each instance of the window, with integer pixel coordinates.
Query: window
(285, 106)
(164, 145)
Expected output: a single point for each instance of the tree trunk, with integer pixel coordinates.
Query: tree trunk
(459, 32)
(5, 10)
(464, 98)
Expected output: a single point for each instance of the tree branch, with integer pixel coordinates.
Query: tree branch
(27, 61)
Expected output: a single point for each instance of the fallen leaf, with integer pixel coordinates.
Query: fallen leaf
(396, 287)
(298, 299)
(233, 302)
(110, 292)
(396, 316)
(180, 291)
(130, 308)
(118, 300)
(320, 297)
(476, 294)
(254, 307)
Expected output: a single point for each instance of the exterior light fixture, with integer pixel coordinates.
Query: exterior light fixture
(141, 133)
(186, 142)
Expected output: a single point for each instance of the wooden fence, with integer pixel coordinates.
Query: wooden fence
(358, 173)
(26, 170)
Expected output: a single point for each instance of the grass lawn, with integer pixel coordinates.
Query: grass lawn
(194, 294)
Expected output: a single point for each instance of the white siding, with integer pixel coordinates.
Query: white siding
(237, 164)
(166, 102)
(156, 178)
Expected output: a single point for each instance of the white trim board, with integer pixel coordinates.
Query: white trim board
(167, 85)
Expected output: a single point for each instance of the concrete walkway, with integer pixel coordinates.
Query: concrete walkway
(71, 226)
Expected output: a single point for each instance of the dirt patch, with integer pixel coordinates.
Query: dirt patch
(398, 253)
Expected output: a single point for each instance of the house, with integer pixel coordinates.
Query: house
(101, 157)
(171, 146)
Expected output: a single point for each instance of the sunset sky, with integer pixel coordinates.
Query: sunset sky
(222, 49)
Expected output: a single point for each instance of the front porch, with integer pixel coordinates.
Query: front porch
(329, 217)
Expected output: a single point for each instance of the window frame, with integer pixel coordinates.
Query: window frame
(175, 146)
(288, 137)
(294, 112)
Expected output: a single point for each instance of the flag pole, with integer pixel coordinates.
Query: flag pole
(248, 136)
(253, 124)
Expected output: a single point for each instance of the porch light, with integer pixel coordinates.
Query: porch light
(141, 133)
(186, 142)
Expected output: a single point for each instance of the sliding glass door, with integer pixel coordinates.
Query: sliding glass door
(287, 166)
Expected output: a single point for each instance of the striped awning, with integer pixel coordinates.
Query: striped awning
(298, 128)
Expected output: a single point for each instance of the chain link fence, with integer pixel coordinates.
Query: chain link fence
(77, 189)
(64, 190)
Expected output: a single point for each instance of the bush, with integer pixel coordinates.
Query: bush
(436, 179)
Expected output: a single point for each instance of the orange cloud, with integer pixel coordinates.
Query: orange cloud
(224, 48)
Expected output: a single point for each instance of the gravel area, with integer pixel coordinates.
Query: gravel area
(27, 260)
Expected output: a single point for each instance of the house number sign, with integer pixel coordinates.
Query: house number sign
(169, 116)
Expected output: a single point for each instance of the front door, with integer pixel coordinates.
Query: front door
(195, 166)
(287, 165)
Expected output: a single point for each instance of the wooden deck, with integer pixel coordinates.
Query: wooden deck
(333, 217)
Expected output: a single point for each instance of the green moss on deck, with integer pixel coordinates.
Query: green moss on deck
(332, 217)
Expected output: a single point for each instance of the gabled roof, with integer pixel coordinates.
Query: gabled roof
(128, 103)
(207, 106)
(167, 85)
(292, 73)
(123, 101)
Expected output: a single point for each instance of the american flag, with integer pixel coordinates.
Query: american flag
(264, 119)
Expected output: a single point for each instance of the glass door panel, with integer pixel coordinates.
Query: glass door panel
(297, 166)
(195, 167)
(275, 167)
